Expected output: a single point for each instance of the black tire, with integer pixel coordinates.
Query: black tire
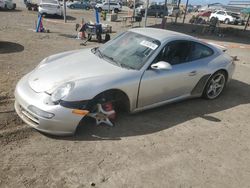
(107, 37)
(87, 8)
(227, 21)
(116, 10)
(44, 15)
(99, 38)
(160, 15)
(210, 84)
(99, 9)
(211, 19)
(89, 37)
(72, 6)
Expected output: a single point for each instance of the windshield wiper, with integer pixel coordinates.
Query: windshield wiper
(112, 59)
(96, 50)
(126, 66)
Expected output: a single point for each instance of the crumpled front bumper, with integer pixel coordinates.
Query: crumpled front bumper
(64, 122)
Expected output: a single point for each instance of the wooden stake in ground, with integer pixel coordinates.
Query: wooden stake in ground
(247, 22)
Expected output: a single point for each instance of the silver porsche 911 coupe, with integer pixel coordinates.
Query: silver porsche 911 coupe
(137, 70)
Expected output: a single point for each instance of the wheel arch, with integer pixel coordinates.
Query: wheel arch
(116, 95)
(223, 70)
(201, 85)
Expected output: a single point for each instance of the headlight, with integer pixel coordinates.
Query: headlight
(62, 91)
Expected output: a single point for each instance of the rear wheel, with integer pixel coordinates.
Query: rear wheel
(99, 38)
(226, 21)
(116, 10)
(215, 85)
(211, 19)
(99, 9)
(44, 15)
(107, 37)
(72, 6)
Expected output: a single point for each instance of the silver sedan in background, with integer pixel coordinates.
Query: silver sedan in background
(137, 70)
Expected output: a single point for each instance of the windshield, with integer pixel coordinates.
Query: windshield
(130, 50)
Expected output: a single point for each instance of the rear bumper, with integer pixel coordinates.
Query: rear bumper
(64, 122)
(48, 12)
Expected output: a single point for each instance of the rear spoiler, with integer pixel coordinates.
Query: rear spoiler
(222, 48)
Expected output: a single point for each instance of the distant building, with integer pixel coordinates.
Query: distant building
(242, 4)
(237, 6)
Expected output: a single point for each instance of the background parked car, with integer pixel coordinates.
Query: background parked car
(154, 10)
(173, 11)
(223, 16)
(113, 6)
(79, 5)
(238, 18)
(50, 7)
(7, 4)
(93, 3)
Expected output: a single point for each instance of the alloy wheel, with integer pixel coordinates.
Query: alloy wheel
(215, 85)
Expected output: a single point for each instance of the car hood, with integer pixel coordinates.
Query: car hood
(70, 66)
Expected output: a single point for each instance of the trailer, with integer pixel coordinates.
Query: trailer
(98, 30)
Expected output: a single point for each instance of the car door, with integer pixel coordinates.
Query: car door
(221, 15)
(151, 10)
(105, 6)
(77, 4)
(187, 69)
(112, 6)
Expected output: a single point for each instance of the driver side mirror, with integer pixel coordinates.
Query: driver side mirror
(161, 65)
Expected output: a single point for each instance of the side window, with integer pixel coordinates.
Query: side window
(176, 52)
(199, 51)
(221, 13)
(152, 7)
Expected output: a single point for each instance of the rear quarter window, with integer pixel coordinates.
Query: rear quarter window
(200, 51)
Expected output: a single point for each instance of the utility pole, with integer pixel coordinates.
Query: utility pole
(185, 12)
(146, 14)
(178, 6)
(109, 7)
(247, 22)
(64, 11)
(134, 9)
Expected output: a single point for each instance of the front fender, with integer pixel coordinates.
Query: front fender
(87, 89)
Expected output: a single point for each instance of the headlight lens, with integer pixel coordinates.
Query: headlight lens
(62, 91)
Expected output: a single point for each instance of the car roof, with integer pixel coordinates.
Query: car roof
(160, 34)
(54, 2)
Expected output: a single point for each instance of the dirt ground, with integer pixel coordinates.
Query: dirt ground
(195, 143)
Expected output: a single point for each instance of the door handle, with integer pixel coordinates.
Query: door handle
(193, 73)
